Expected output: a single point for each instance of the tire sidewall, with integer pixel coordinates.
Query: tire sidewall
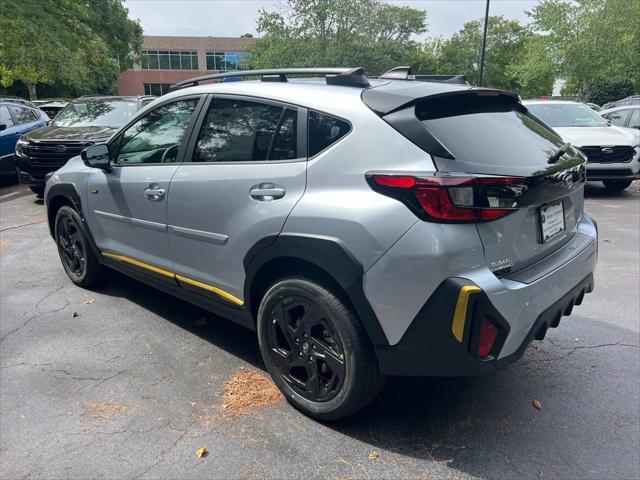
(68, 212)
(319, 296)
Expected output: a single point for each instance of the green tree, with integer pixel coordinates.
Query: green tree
(505, 46)
(590, 41)
(80, 44)
(309, 33)
(533, 72)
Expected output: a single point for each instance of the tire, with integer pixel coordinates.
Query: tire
(306, 333)
(38, 190)
(78, 259)
(616, 185)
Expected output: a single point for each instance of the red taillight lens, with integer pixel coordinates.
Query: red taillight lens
(453, 198)
(487, 338)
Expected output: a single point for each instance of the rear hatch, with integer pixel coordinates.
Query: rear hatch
(490, 143)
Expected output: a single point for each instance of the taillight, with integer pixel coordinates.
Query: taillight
(452, 198)
(487, 338)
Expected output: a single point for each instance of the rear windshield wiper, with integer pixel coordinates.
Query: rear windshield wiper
(555, 156)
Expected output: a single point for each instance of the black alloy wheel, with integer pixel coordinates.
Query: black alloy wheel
(305, 348)
(73, 251)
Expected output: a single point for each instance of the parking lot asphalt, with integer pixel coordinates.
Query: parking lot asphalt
(127, 382)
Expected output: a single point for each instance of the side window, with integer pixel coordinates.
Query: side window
(618, 118)
(156, 137)
(21, 115)
(241, 130)
(324, 130)
(634, 121)
(5, 117)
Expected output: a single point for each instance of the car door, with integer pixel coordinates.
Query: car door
(9, 134)
(244, 171)
(128, 205)
(634, 119)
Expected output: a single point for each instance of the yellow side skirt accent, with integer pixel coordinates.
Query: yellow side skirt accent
(460, 314)
(205, 286)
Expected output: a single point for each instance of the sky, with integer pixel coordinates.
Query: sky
(232, 18)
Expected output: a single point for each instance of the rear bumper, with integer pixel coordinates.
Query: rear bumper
(430, 349)
(523, 306)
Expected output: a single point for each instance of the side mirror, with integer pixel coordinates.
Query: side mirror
(3, 127)
(97, 156)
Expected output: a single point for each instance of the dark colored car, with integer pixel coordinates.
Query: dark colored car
(83, 122)
(16, 117)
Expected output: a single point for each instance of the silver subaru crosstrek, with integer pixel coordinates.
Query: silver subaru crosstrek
(363, 227)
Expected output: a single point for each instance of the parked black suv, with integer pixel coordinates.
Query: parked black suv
(83, 122)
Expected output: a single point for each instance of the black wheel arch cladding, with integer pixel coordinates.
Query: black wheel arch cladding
(330, 256)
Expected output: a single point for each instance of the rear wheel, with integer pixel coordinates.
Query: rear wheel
(78, 259)
(316, 350)
(38, 190)
(616, 185)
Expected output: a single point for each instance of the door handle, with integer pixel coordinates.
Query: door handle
(154, 193)
(266, 192)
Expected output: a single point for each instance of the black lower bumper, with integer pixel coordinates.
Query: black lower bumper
(622, 175)
(428, 348)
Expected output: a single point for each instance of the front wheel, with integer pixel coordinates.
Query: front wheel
(616, 185)
(78, 259)
(316, 350)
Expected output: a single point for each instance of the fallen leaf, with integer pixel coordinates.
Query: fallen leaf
(607, 240)
(224, 406)
(373, 455)
(536, 404)
(201, 322)
(89, 302)
(202, 452)
(191, 403)
(75, 314)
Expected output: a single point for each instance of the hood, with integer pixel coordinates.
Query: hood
(51, 133)
(599, 136)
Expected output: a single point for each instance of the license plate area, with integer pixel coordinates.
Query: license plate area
(551, 221)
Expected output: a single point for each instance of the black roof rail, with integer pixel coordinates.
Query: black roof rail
(404, 73)
(347, 77)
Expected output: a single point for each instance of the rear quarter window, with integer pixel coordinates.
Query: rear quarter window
(324, 131)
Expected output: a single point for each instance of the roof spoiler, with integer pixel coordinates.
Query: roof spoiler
(346, 77)
(404, 73)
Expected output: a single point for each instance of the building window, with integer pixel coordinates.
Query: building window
(156, 89)
(169, 60)
(225, 61)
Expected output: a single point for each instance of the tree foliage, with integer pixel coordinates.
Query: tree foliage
(309, 33)
(80, 44)
(590, 41)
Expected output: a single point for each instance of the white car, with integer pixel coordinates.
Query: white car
(613, 153)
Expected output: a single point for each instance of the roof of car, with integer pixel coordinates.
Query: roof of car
(555, 102)
(620, 107)
(111, 97)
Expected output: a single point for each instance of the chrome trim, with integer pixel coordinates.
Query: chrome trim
(161, 227)
(210, 237)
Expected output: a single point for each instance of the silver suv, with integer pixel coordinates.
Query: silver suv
(363, 227)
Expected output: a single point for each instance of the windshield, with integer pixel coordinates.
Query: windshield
(566, 115)
(96, 113)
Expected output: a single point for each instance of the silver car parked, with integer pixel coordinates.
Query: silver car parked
(363, 227)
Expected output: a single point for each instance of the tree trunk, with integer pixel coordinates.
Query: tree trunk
(32, 91)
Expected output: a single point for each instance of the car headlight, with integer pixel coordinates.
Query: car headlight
(20, 145)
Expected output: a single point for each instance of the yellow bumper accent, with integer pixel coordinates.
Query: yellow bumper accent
(460, 314)
(175, 276)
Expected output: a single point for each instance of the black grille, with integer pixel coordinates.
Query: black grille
(608, 154)
(53, 154)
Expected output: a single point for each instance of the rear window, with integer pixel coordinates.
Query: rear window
(486, 130)
(324, 130)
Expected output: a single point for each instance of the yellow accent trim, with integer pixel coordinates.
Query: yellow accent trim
(175, 276)
(140, 264)
(460, 313)
(211, 288)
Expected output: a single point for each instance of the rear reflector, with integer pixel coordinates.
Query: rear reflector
(487, 339)
(452, 199)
